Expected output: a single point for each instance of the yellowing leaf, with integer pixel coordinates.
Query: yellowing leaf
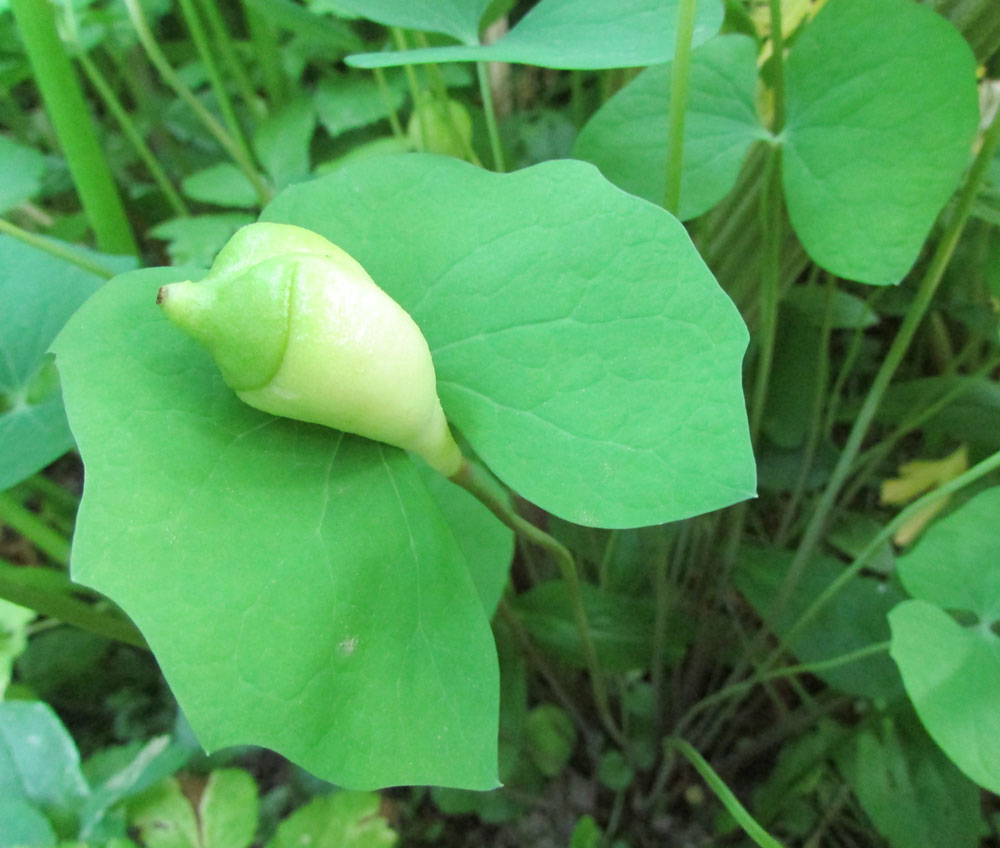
(916, 478)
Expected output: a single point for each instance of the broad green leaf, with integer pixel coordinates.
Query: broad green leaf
(13, 638)
(39, 763)
(281, 141)
(881, 113)
(459, 18)
(909, 789)
(581, 345)
(21, 172)
(338, 820)
(854, 619)
(347, 103)
(583, 34)
(549, 737)
(847, 312)
(196, 240)
(619, 626)
(228, 810)
(301, 588)
(222, 185)
(627, 137)
(38, 293)
(952, 673)
(24, 825)
(164, 817)
(793, 385)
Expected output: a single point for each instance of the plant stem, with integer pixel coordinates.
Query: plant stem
(200, 38)
(778, 45)
(223, 41)
(55, 248)
(474, 480)
(114, 106)
(49, 593)
(722, 792)
(29, 525)
(265, 49)
(679, 75)
(416, 92)
(171, 78)
(383, 90)
(65, 106)
(486, 92)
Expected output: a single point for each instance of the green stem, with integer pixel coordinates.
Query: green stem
(265, 48)
(444, 107)
(416, 92)
(778, 68)
(224, 43)
(172, 79)
(50, 593)
(205, 52)
(486, 92)
(722, 792)
(679, 75)
(53, 492)
(114, 106)
(383, 90)
(29, 525)
(474, 480)
(55, 248)
(65, 106)
(900, 344)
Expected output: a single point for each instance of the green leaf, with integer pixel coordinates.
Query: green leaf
(582, 34)
(332, 37)
(847, 312)
(13, 638)
(222, 185)
(347, 103)
(196, 240)
(459, 18)
(281, 141)
(228, 810)
(791, 397)
(39, 763)
(21, 172)
(952, 673)
(301, 588)
(338, 820)
(854, 619)
(627, 137)
(581, 345)
(619, 626)
(909, 789)
(549, 737)
(879, 127)
(38, 293)
(24, 825)
(164, 817)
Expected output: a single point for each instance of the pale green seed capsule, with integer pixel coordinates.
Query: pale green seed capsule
(300, 330)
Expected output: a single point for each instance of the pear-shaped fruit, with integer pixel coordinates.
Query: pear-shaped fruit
(300, 330)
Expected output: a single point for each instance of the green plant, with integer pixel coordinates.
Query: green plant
(334, 598)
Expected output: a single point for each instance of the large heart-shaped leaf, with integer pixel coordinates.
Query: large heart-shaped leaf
(581, 344)
(584, 34)
(301, 588)
(952, 673)
(627, 137)
(882, 110)
(38, 292)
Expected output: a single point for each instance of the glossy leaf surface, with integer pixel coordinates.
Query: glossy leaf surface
(952, 673)
(584, 34)
(301, 588)
(581, 345)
